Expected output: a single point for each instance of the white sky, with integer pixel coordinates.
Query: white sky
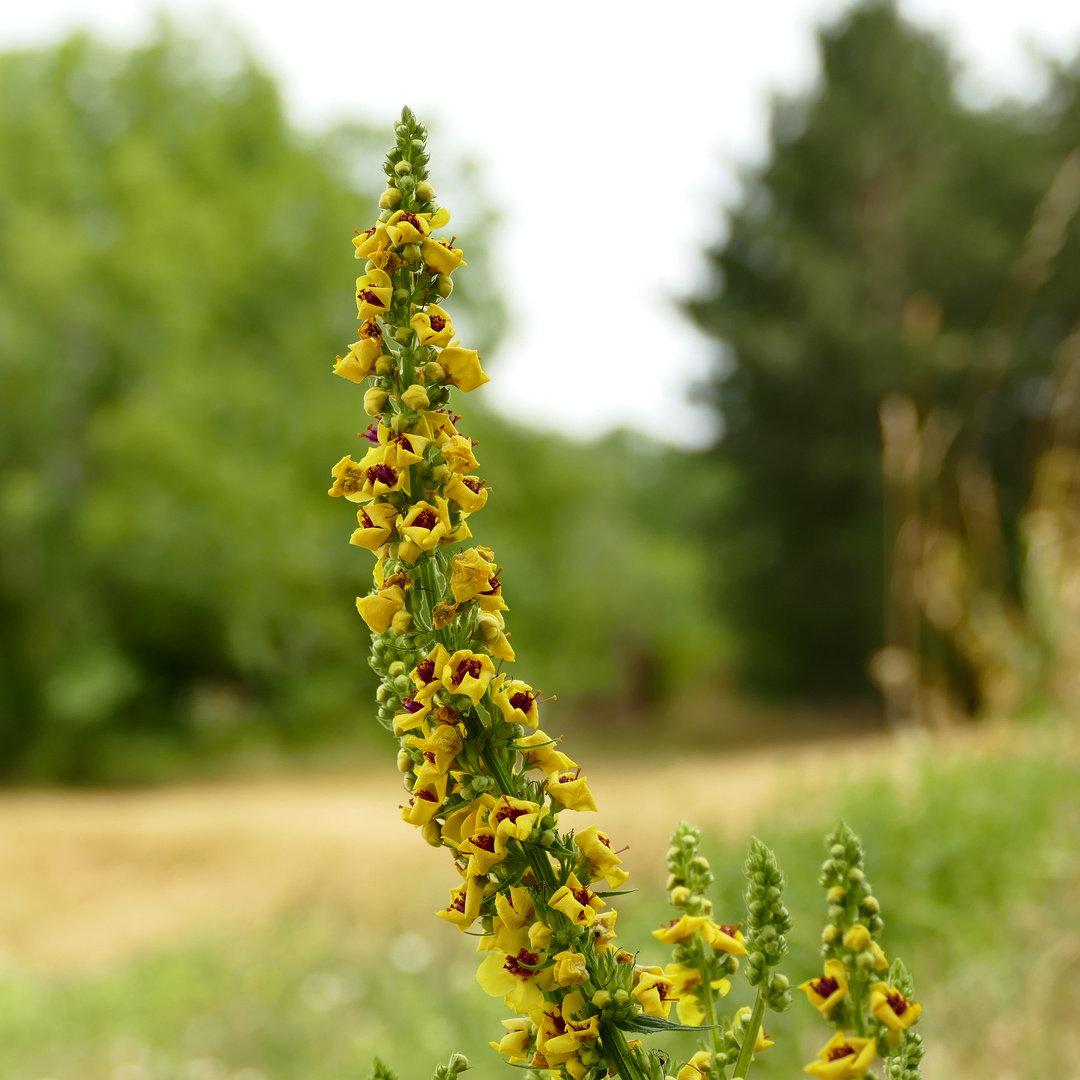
(610, 132)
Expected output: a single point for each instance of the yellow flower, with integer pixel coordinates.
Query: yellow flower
(470, 575)
(376, 525)
(408, 228)
(374, 239)
(514, 907)
(468, 492)
(652, 988)
(539, 752)
(516, 700)
(433, 327)
(880, 963)
(724, 938)
(828, 991)
(570, 968)
(685, 985)
(464, 906)
(516, 978)
(596, 847)
(465, 820)
(379, 608)
(425, 525)
(603, 930)
(577, 902)
(429, 791)
(457, 454)
(491, 628)
(572, 791)
(463, 368)
(679, 930)
(843, 1057)
(512, 819)
(517, 1043)
(480, 847)
(468, 673)
(440, 258)
(401, 450)
(441, 746)
(413, 714)
(348, 479)
(892, 1008)
(373, 292)
(427, 675)
(695, 1068)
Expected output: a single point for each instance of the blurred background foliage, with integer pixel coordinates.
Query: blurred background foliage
(174, 284)
(175, 587)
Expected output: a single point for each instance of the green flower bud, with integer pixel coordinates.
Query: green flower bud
(620, 997)
(830, 935)
(443, 285)
(425, 192)
(837, 894)
(384, 365)
(601, 999)
(402, 684)
(390, 199)
(404, 334)
(402, 167)
(680, 895)
(382, 693)
(434, 372)
(838, 851)
(397, 668)
(401, 296)
(855, 875)
(871, 904)
(406, 183)
(411, 253)
(404, 761)
(375, 401)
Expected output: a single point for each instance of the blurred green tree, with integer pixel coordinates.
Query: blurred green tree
(875, 252)
(174, 261)
(174, 582)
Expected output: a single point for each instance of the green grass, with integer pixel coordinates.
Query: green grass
(976, 865)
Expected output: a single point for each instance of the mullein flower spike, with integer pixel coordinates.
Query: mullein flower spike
(484, 780)
(872, 1013)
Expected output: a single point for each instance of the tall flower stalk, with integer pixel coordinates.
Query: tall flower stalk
(483, 779)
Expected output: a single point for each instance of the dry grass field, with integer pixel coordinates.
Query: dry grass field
(282, 928)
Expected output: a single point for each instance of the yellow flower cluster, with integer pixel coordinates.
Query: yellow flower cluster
(850, 993)
(483, 779)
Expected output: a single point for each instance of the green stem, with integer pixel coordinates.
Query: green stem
(618, 1053)
(746, 1051)
(857, 1009)
(707, 998)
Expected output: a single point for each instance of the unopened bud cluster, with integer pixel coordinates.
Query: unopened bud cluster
(872, 1015)
(768, 922)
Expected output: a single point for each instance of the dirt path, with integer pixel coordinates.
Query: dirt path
(91, 879)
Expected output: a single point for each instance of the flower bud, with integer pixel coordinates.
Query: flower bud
(406, 183)
(416, 397)
(830, 935)
(404, 334)
(779, 983)
(871, 905)
(390, 199)
(411, 253)
(601, 999)
(620, 997)
(402, 167)
(482, 783)
(401, 296)
(444, 286)
(385, 215)
(432, 833)
(838, 851)
(865, 961)
(434, 372)
(857, 938)
(399, 423)
(384, 365)
(836, 912)
(836, 894)
(680, 895)
(856, 875)
(700, 863)
(375, 401)
(424, 191)
(397, 668)
(404, 761)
